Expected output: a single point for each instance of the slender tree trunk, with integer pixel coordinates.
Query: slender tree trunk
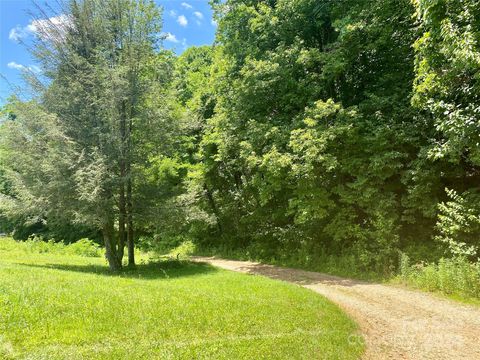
(130, 233)
(122, 209)
(130, 239)
(213, 205)
(121, 221)
(114, 262)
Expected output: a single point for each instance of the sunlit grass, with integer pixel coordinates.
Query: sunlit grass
(55, 306)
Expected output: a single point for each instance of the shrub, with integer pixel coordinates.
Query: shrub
(158, 245)
(184, 250)
(84, 247)
(37, 244)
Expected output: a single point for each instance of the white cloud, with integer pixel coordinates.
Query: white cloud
(213, 22)
(53, 27)
(172, 13)
(187, 5)
(198, 14)
(18, 33)
(182, 20)
(35, 68)
(184, 43)
(16, 66)
(171, 37)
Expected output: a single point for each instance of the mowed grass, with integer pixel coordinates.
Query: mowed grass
(57, 306)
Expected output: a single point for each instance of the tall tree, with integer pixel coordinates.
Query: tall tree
(97, 60)
(447, 92)
(313, 129)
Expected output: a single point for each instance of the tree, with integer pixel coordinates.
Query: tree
(447, 89)
(313, 129)
(97, 64)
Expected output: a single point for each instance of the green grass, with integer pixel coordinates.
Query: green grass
(58, 306)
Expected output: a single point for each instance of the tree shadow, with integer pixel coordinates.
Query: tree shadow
(297, 276)
(165, 269)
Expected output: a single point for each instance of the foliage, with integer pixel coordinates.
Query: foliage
(295, 156)
(447, 82)
(183, 251)
(311, 130)
(459, 224)
(319, 147)
(446, 91)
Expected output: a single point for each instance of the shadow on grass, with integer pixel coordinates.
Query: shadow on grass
(160, 269)
(293, 275)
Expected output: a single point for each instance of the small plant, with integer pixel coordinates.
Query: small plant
(37, 244)
(459, 223)
(404, 267)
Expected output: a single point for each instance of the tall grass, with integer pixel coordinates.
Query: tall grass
(457, 277)
(83, 247)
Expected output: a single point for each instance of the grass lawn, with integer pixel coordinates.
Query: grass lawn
(59, 306)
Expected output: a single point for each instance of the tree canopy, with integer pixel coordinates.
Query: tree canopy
(310, 127)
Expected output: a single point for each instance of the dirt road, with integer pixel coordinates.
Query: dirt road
(396, 323)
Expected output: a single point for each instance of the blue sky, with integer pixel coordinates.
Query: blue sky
(186, 23)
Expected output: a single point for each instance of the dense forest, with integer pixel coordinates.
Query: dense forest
(310, 129)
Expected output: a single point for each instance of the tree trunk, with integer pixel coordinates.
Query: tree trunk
(130, 239)
(121, 221)
(122, 216)
(114, 262)
(211, 201)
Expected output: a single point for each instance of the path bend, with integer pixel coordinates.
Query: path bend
(396, 323)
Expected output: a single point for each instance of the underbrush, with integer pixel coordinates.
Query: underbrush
(178, 248)
(83, 247)
(455, 277)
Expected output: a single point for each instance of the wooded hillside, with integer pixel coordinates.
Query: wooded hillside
(310, 129)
